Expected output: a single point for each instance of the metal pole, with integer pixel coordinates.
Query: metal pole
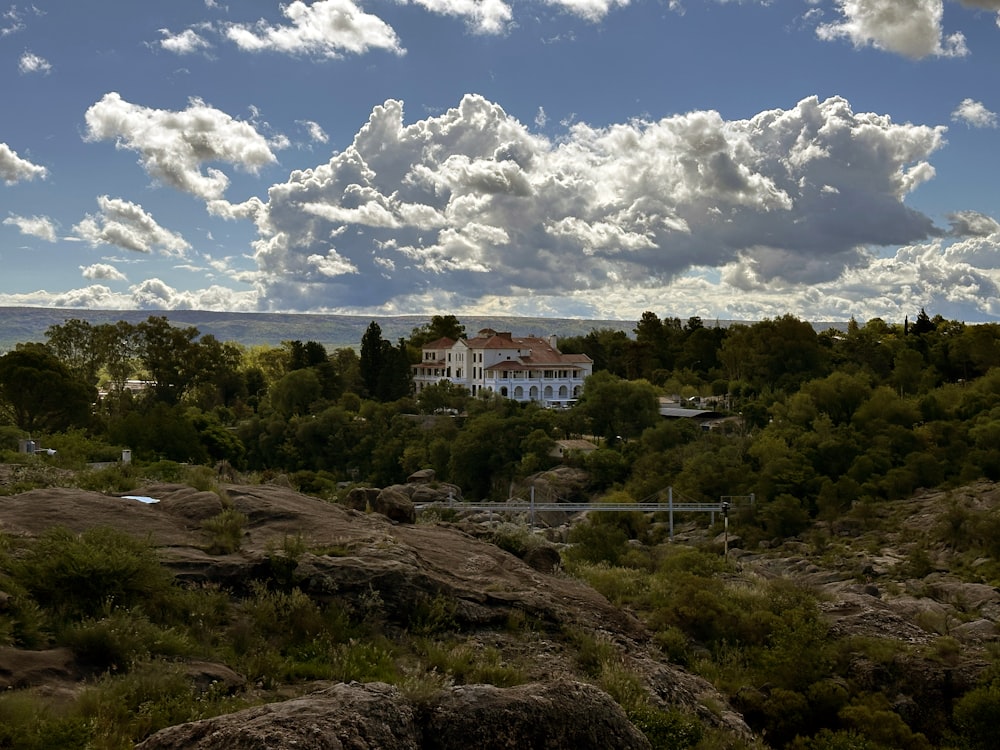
(532, 507)
(725, 523)
(670, 510)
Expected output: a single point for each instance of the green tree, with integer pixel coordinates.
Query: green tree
(619, 408)
(439, 327)
(372, 358)
(295, 393)
(40, 393)
(169, 355)
(78, 346)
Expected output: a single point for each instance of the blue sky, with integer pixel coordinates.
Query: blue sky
(570, 158)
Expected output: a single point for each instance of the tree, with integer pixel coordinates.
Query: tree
(607, 347)
(295, 393)
(923, 324)
(371, 358)
(440, 326)
(169, 356)
(77, 344)
(301, 355)
(118, 342)
(40, 392)
(385, 369)
(619, 408)
(651, 343)
(443, 396)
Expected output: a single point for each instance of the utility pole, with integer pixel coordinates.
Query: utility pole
(725, 526)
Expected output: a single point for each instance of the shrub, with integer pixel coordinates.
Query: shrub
(667, 730)
(469, 663)
(27, 723)
(119, 641)
(111, 479)
(92, 574)
(226, 530)
(977, 716)
(594, 543)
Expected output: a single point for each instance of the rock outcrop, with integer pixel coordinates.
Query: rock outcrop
(376, 716)
(334, 553)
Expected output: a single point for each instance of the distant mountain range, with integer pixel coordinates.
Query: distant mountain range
(24, 324)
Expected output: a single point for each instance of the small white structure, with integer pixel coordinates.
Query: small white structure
(528, 368)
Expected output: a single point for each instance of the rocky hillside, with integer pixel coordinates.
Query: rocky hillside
(364, 560)
(440, 587)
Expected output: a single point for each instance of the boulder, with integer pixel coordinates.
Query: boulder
(423, 476)
(355, 716)
(544, 558)
(392, 502)
(362, 498)
(20, 668)
(563, 714)
(395, 505)
(376, 716)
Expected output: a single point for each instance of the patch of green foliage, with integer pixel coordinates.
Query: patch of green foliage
(226, 531)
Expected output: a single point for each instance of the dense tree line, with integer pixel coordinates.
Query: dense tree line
(824, 420)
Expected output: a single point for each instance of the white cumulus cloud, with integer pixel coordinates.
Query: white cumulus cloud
(15, 169)
(482, 16)
(472, 201)
(974, 114)
(315, 130)
(912, 28)
(173, 146)
(154, 294)
(326, 28)
(102, 271)
(184, 42)
(128, 226)
(36, 226)
(32, 63)
(592, 10)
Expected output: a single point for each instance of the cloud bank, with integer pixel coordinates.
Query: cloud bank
(473, 202)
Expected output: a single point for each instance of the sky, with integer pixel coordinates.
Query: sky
(734, 160)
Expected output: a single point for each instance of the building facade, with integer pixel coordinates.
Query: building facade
(522, 369)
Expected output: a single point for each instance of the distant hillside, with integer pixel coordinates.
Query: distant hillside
(22, 324)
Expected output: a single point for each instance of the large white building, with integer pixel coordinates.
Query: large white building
(522, 369)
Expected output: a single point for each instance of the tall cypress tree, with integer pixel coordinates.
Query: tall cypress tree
(371, 360)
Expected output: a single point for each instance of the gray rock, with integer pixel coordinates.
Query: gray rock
(376, 716)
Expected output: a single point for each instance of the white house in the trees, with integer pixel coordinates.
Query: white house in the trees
(523, 369)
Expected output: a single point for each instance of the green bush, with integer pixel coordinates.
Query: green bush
(595, 543)
(110, 480)
(27, 722)
(92, 574)
(977, 717)
(667, 730)
(117, 642)
(226, 530)
(467, 663)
